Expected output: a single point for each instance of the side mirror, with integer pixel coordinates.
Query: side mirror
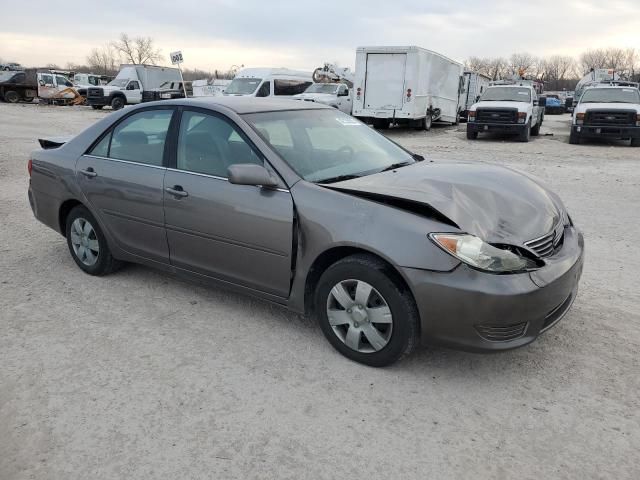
(417, 157)
(542, 101)
(41, 83)
(477, 99)
(250, 174)
(343, 93)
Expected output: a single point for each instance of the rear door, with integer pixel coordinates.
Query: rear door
(238, 233)
(122, 179)
(384, 82)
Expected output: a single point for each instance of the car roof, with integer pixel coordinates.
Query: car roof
(626, 87)
(242, 105)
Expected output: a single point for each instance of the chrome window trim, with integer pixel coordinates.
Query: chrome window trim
(124, 161)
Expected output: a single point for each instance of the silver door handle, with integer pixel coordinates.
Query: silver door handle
(177, 192)
(89, 173)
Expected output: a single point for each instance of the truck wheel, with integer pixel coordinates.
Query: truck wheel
(118, 102)
(535, 131)
(635, 142)
(525, 135)
(471, 135)
(97, 107)
(11, 96)
(574, 138)
(380, 123)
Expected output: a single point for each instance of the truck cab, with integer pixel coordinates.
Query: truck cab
(268, 82)
(607, 111)
(54, 86)
(508, 109)
(336, 95)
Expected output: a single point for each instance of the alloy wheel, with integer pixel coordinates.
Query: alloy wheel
(84, 241)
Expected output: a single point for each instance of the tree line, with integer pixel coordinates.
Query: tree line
(559, 71)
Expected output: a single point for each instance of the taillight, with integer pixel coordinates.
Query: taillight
(522, 117)
(579, 118)
(358, 92)
(30, 166)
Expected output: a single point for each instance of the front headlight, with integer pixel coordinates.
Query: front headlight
(475, 252)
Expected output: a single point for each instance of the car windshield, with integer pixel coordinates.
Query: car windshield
(243, 86)
(611, 95)
(326, 145)
(322, 88)
(506, 94)
(118, 82)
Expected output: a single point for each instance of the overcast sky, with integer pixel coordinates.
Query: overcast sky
(305, 34)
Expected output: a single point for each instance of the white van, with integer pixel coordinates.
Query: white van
(406, 85)
(268, 82)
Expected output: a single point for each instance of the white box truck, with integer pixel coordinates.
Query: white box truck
(406, 85)
(474, 85)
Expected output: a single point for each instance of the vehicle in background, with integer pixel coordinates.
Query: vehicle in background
(57, 89)
(336, 95)
(473, 87)
(127, 87)
(554, 106)
(406, 85)
(607, 111)
(167, 91)
(18, 86)
(11, 67)
(332, 73)
(509, 109)
(209, 88)
(537, 85)
(268, 82)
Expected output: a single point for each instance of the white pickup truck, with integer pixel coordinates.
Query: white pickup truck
(510, 109)
(336, 95)
(607, 111)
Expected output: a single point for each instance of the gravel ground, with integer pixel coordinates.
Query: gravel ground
(139, 375)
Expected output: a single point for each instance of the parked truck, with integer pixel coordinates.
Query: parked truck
(336, 95)
(127, 87)
(406, 85)
(473, 87)
(509, 109)
(18, 86)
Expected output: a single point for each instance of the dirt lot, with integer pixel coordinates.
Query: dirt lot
(138, 375)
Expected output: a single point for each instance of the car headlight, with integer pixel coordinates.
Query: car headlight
(479, 254)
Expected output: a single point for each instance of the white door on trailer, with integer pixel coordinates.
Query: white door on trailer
(384, 87)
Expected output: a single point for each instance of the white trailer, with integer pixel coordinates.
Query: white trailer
(474, 85)
(406, 85)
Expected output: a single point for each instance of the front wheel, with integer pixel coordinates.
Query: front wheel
(471, 135)
(11, 96)
(118, 102)
(366, 312)
(535, 131)
(525, 135)
(87, 244)
(635, 142)
(574, 138)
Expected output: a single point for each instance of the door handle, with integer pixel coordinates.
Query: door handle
(176, 191)
(89, 172)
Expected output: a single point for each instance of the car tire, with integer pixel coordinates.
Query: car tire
(11, 96)
(87, 244)
(118, 102)
(380, 123)
(97, 107)
(525, 135)
(535, 131)
(574, 138)
(472, 135)
(388, 298)
(635, 142)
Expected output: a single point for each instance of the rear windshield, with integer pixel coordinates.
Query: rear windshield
(506, 94)
(611, 95)
(243, 86)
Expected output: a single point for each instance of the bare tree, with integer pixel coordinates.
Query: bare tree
(103, 61)
(137, 50)
(522, 64)
(593, 59)
(615, 59)
(632, 60)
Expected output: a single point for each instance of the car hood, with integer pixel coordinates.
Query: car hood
(521, 106)
(494, 203)
(583, 107)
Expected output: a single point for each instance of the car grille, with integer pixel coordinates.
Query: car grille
(610, 117)
(497, 115)
(548, 244)
(501, 333)
(95, 92)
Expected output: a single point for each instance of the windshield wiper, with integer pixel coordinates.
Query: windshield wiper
(393, 166)
(338, 178)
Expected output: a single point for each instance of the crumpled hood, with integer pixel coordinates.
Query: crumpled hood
(494, 203)
(521, 106)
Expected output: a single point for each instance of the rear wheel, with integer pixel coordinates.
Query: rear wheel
(366, 312)
(11, 96)
(87, 244)
(118, 102)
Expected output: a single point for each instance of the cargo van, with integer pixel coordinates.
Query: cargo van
(409, 85)
(268, 82)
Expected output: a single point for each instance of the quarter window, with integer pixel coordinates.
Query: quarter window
(209, 144)
(265, 89)
(139, 138)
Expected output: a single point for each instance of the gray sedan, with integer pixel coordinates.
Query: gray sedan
(304, 206)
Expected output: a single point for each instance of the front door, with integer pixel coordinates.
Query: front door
(122, 179)
(133, 92)
(237, 233)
